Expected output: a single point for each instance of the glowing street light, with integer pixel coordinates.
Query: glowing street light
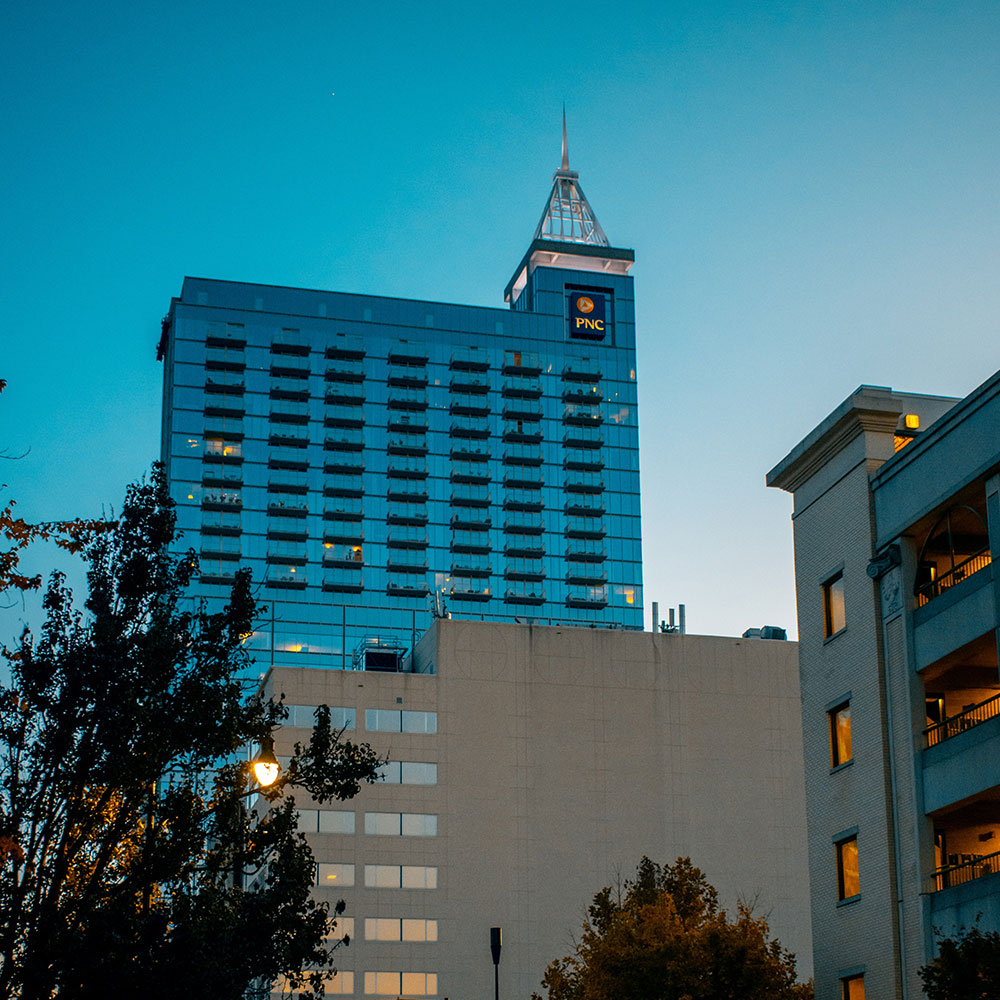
(266, 767)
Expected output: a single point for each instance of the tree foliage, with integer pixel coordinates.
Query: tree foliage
(663, 936)
(134, 853)
(967, 967)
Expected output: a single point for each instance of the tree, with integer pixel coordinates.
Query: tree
(663, 936)
(134, 853)
(967, 967)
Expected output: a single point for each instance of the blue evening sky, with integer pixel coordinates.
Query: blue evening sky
(811, 190)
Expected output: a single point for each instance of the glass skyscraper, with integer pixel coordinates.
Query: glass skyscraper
(375, 460)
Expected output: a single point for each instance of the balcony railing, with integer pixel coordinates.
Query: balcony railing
(933, 588)
(966, 719)
(968, 868)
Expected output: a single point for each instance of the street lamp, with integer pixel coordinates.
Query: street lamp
(265, 766)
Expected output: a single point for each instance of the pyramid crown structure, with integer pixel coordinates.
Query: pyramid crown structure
(568, 217)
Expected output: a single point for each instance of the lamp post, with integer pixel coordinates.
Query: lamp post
(496, 943)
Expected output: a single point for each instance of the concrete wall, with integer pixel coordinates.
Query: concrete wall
(564, 756)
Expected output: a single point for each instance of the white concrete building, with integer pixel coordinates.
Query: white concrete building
(530, 767)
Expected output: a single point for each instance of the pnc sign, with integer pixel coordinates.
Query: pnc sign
(587, 315)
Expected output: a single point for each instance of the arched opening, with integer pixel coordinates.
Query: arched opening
(956, 547)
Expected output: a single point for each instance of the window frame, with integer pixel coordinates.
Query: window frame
(838, 761)
(841, 841)
(829, 631)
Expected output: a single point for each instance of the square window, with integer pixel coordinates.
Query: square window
(848, 879)
(852, 988)
(840, 734)
(833, 605)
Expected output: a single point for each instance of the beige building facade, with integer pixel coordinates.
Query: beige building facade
(531, 766)
(896, 513)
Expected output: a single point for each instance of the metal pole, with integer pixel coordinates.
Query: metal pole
(496, 942)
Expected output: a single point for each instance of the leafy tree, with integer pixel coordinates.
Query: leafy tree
(130, 859)
(663, 936)
(967, 967)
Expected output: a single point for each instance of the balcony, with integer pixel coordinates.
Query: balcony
(968, 718)
(927, 591)
(962, 868)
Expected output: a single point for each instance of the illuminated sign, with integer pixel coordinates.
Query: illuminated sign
(587, 315)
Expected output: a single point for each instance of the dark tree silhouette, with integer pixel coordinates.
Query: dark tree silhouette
(135, 854)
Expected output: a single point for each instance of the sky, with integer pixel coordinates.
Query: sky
(810, 190)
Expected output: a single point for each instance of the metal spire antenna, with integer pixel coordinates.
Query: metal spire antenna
(568, 217)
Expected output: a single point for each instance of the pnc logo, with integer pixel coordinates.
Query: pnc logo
(587, 315)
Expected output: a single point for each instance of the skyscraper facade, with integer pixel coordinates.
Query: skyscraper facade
(370, 457)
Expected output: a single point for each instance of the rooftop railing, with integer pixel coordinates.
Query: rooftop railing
(933, 588)
(968, 868)
(966, 719)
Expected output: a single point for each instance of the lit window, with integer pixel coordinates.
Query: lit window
(852, 988)
(848, 880)
(833, 605)
(840, 734)
(332, 876)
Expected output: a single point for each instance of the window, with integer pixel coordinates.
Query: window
(339, 983)
(833, 605)
(840, 734)
(400, 929)
(394, 721)
(326, 821)
(400, 877)
(401, 824)
(331, 876)
(408, 984)
(852, 988)
(304, 717)
(848, 880)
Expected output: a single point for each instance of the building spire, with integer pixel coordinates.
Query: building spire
(565, 150)
(568, 217)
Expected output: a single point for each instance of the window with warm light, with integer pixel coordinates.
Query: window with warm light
(852, 988)
(332, 876)
(848, 878)
(833, 605)
(840, 734)
(408, 984)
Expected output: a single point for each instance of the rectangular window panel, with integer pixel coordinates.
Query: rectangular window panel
(419, 722)
(848, 878)
(383, 824)
(304, 717)
(333, 876)
(419, 930)
(344, 928)
(416, 773)
(419, 825)
(408, 772)
(418, 877)
(386, 983)
(840, 735)
(382, 720)
(416, 984)
(833, 605)
(852, 988)
(336, 821)
(396, 929)
(340, 983)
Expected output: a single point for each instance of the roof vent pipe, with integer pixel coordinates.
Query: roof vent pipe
(680, 619)
(656, 616)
